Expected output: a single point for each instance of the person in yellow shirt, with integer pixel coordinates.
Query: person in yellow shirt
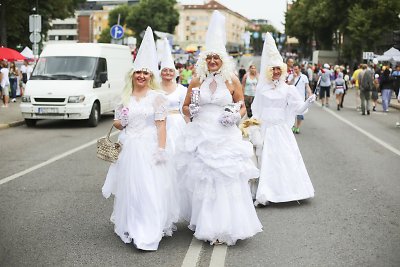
(354, 80)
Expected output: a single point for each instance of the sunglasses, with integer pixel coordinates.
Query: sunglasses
(213, 56)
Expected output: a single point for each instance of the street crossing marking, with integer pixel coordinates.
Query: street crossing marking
(193, 253)
(372, 137)
(218, 256)
(49, 161)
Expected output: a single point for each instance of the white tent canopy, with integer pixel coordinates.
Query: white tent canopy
(392, 54)
(27, 52)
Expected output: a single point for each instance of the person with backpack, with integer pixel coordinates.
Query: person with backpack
(325, 85)
(366, 83)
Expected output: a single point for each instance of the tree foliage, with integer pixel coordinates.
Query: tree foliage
(160, 15)
(325, 23)
(14, 18)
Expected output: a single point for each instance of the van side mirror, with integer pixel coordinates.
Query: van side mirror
(103, 77)
(100, 79)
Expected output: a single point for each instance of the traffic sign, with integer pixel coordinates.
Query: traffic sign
(35, 37)
(117, 32)
(35, 23)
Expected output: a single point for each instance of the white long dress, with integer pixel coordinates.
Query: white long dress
(175, 119)
(283, 175)
(214, 165)
(146, 204)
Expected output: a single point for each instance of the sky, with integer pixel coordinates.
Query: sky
(272, 10)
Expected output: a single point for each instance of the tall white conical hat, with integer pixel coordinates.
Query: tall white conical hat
(270, 57)
(146, 58)
(167, 61)
(215, 44)
(216, 34)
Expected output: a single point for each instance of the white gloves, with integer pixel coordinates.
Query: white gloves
(306, 104)
(124, 118)
(229, 118)
(193, 110)
(160, 157)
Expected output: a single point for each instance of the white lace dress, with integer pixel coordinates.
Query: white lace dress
(175, 119)
(146, 204)
(283, 175)
(214, 167)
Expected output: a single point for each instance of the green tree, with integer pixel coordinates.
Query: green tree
(368, 22)
(14, 18)
(360, 24)
(105, 36)
(160, 15)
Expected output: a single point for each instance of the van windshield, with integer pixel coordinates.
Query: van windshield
(65, 68)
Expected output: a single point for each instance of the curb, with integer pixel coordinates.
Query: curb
(11, 124)
(392, 105)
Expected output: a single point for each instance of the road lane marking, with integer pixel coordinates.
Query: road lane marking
(51, 160)
(193, 253)
(372, 137)
(218, 256)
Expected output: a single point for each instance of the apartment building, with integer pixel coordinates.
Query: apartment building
(191, 31)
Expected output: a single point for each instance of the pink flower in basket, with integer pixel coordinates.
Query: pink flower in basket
(125, 111)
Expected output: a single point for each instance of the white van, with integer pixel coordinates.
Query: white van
(77, 81)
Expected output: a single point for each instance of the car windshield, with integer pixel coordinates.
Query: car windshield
(65, 68)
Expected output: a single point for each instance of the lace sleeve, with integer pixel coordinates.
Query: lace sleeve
(118, 111)
(160, 106)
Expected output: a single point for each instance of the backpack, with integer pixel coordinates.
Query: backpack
(325, 77)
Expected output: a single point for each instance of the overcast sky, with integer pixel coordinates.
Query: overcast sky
(272, 10)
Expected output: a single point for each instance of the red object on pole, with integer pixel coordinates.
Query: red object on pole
(10, 54)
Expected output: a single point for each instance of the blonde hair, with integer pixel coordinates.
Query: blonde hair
(269, 72)
(128, 88)
(226, 70)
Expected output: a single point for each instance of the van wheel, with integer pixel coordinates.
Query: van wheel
(30, 122)
(94, 115)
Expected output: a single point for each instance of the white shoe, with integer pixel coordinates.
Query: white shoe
(13, 100)
(397, 124)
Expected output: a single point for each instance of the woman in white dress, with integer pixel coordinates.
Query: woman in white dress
(175, 94)
(283, 175)
(145, 204)
(214, 163)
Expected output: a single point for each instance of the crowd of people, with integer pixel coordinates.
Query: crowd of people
(184, 158)
(13, 80)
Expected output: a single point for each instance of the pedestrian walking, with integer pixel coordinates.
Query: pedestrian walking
(249, 84)
(26, 71)
(365, 81)
(300, 81)
(214, 163)
(5, 83)
(175, 93)
(386, 84)
(283, 175)
(325, 85)
(13, 76)
(340, 85)
(375, 92)
(396, 80)
(145, 203)
(356, 83)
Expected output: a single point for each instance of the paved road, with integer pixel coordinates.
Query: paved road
(54, 214)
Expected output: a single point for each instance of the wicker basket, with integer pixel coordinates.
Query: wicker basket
(108, 150)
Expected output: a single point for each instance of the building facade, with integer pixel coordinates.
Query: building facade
(190, 33)
(63, 30)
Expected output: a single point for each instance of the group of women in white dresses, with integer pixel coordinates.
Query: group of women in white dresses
(172, 170)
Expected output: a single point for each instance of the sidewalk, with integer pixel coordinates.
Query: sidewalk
(11, 116)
